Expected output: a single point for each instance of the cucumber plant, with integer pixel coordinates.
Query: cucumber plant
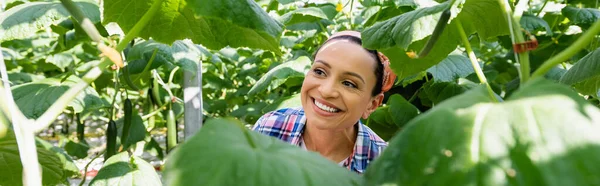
(489, 92)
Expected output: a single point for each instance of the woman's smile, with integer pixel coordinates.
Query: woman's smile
(325, 109)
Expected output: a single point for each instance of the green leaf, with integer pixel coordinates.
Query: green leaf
(438, 92)
(303, 15)
(401, 111)
(35, 98)
(237, 156)
(211, 23)
(25, 20)
(585, 74)
(137, 132)
(404, 29)
(69, 166)
(11, 170)
(369, 3)
(77, 149)
(450, 69)
(581, 16)
(121, 169)
(61, 60)
(533, 23)
(545, 134)
(281, 73)
(153, 147)
(386, 13)
(285, 102)
(381, 123)
(410, 31)
(17, 78)
(182, 53)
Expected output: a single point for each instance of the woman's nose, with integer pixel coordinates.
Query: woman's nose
(328, 89)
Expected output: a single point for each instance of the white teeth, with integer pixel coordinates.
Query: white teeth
(325, 107)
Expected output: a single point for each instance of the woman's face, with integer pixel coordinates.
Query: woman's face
(336, 92)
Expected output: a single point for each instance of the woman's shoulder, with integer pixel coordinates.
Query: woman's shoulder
(375, 141)
(287, 121)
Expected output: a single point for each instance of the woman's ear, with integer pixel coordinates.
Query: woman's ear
(373, 104)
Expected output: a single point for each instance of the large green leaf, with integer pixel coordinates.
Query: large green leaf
(212, 23)
(122, 169)
(410, 31)
(237, 156)
(182, 53)
(404, 29)
(69, 166)
(585, 74)
(401, 110)
(386, 121)
(35, 98)
(450, 69)
(301, 15)
(281, 73)
(11, 170)
(545, 134)
(581, 16)
(25, 20)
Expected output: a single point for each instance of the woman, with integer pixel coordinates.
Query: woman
(346, 82)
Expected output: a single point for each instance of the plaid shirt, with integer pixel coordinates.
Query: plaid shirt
(288, 125)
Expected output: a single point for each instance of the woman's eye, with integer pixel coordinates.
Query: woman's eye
(349, 84)
(319, 72)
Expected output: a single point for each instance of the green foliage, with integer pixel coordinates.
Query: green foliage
(584, 74)
(77, 149)
(386, 121)
(36, 97)
(25, 20)
(122, 169)
(472, 143)
(280, 74)
(581, 16)
(450, 69)
(54, 168)
(234, 155)
(207, 22)
(253, 56)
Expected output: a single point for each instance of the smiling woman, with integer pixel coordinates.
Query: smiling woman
(346, 82)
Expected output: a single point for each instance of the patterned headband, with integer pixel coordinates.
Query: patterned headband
(388, 75)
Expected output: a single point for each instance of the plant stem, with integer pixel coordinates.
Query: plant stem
(88, 165)
(139, 26)
(25, 137)
(161, 108)
(516, 36)
(85, 23)
(577, 46)
(350, 14)
(57, 108)
(148, 65)
(541, 9)
(473, 60)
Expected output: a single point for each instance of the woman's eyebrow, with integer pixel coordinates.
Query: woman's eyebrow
(345, 73)
(355, 75)
(323, 62)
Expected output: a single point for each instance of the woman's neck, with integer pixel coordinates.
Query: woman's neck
(334, 145)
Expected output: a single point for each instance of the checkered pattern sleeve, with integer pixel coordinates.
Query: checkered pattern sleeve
(285, 124)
